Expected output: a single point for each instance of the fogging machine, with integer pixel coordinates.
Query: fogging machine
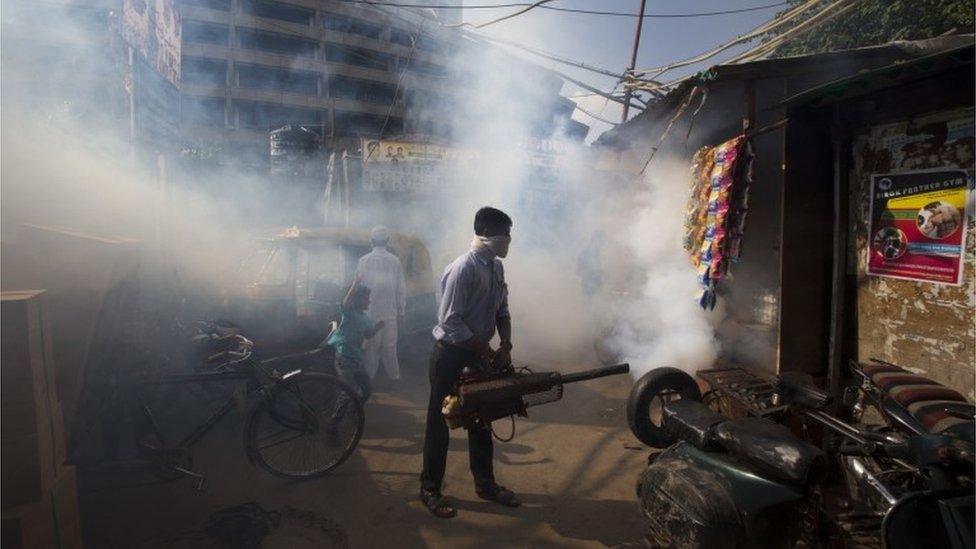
(486, 396)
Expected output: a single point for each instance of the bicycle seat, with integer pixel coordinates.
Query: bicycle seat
(920, 404)
(798, 388)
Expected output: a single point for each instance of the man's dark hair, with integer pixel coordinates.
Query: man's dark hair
(491, 220)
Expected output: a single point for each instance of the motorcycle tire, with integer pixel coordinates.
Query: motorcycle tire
(650, 386)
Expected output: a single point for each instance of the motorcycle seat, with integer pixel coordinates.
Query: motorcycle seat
(931, 406)
(768, 447)
(692, 422)
(772, 450)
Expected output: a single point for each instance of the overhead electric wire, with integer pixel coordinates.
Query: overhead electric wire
(571, 10)
(526, 9)
(595, 116)
(560, 59)
(761, 29)
(578, 95)
(576, 64)
(596, 91)
(552, 56)
(664, 15)
(681, 109)
(826, 13)
(800, 29)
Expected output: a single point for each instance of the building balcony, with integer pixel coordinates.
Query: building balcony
(310, 31)
(290, 99)
(241, 55)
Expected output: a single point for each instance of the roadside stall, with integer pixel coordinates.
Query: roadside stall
(860, 430)
(794, 238)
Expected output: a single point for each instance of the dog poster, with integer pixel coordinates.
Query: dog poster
(918, 225)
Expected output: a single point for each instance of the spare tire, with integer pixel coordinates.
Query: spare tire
(659, 384)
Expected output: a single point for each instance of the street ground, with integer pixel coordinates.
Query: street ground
(573, 463)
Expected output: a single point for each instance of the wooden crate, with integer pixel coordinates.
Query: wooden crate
(30, 426)
(79, 271)
(52, 522)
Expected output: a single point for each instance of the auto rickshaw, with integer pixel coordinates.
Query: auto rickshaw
(288, 289)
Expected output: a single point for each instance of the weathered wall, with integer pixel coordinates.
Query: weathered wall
(925, 327)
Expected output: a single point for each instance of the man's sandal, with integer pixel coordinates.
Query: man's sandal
(500, 494)
(437, 504)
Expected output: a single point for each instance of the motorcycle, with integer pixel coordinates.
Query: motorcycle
(728, 472)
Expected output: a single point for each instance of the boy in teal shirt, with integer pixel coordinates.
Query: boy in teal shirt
(354, 329)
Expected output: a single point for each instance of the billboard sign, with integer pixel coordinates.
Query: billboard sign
(387, 151)
(153, 29)
(403, 166)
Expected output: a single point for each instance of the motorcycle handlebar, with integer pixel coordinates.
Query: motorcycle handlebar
(946, 453)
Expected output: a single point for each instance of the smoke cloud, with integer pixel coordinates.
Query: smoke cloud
(664, 325)
(77, 173)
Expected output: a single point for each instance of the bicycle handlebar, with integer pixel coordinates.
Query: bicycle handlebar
(222, 354)
(217, 356)
(244, 345)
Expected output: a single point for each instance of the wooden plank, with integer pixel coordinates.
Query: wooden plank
(52, 522)
(28, 448)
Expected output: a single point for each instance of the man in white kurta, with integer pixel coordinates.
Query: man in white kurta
(382, 273)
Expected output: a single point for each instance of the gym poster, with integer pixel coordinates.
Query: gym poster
(918, 225)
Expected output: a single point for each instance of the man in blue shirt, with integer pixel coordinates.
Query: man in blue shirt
(474, 304)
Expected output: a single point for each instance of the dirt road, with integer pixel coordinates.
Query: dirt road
(574, 463)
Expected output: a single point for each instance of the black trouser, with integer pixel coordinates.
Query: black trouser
(446, 363)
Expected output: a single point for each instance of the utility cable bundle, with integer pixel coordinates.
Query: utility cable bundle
(716, 214)
(648, 79)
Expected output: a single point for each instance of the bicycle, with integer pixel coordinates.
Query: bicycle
(304, 425)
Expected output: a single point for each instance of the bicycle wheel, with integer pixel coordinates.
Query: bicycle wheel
(307, 426)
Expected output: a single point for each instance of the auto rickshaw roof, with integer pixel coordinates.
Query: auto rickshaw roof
(348, 236)
(411, 250)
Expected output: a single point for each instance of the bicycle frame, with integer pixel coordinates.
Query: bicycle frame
(201, 430)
